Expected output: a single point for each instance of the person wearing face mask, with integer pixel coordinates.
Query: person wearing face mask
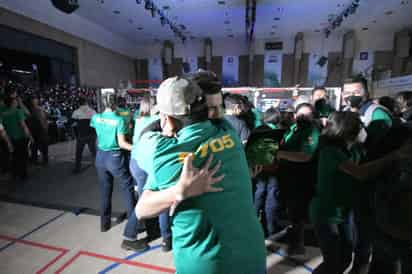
(321, 104)
(339, 174)
(378, 123)
(296, 156)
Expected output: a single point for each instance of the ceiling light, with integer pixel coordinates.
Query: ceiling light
(389, 12)
(221, 2)
(276, 18)
(116, 12)
(365, 28)
(140, 28)
(230, 36)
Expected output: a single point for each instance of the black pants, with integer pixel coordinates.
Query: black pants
(19, 159)
(41, 143)
(80, 144)
(4, 158)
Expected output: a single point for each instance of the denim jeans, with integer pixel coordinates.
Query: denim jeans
(336, 245)
(364, 234)
(388, 253)
(110, 165)
(140, 177)
(267, 199)
(80, 144)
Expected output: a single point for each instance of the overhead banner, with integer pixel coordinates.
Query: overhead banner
(155, 69)
(273, 68)
(363, 63)
(230, 70)
(190, 65)
(317, 74)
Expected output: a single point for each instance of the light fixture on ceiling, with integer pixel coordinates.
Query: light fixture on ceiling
(221, 2)
(276, 19)
(116, 12)
(140, 28)
(336, 21)
(365, 28)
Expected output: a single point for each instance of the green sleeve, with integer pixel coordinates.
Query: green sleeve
(310, 144)
(121, 127)
(92, 121)
(381, 123)
(381, 115)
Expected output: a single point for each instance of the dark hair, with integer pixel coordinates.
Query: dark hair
(272, 116)
(318, 88)
(233, 100)
(82, 100)
(389, 103)
(195, 117)
(109, 101)
(342, 126)
(146, 105)
(358, 79)
(121, 102)
(207, 81)
(406, 96)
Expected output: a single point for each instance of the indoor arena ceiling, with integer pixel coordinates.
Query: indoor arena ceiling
(275, 19)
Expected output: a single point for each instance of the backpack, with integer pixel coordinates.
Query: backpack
(262, 145)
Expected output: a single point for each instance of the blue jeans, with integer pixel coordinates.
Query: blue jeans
(110, 165)
(336, 245)
(388, 253)
(267, 199)
(140, 177)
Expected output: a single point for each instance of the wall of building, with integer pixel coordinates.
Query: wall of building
(97, 66)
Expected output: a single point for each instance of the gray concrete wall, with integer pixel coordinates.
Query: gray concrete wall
(97, 66)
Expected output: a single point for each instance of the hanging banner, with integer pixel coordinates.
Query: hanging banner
(230, 70)
(363, 63)
(273, 68)
(155, 70)
(190, 65)
(318, 71)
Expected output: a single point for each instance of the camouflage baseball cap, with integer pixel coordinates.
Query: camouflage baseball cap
(176, 95)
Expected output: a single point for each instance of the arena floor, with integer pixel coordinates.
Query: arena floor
(34, 238)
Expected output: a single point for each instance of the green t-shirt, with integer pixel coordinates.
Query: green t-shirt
(272, 126)
(335, 190)
(258, 117)
(301, 140)
(139, 125)
(108, 125)
(215, 233)
(12, 118)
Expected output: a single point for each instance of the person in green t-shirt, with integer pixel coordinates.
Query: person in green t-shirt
(14, 123)
(339, 173)
(110, 163)
(296, 156)
(139, 175)
(126, 114)
(215, 229)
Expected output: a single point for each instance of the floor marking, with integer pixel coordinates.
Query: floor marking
(113, 259)
(132, 256)
(62, 251)
(32, 231)
(307, 268)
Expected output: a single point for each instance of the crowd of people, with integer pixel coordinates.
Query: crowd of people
(220, 175)
(33, 118)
